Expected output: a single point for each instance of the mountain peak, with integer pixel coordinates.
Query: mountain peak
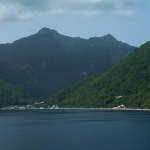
(47, 31)
(109, 36)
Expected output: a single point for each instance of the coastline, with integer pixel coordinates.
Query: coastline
(98, 109)
(107, 109)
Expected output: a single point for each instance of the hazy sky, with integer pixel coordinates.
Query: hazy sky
(126, 20)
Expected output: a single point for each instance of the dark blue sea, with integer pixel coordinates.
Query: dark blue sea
(74, 130)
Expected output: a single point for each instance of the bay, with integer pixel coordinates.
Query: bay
(74, 130)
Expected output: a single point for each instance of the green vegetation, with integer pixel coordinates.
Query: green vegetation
(12, 95)
(126, 83)
(46, 62)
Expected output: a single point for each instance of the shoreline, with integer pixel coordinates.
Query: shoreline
(122, 109)
(100, 109)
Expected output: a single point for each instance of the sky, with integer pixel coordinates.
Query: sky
(127, 20)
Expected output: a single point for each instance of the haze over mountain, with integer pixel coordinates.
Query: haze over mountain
(126, 83)
(47, 61)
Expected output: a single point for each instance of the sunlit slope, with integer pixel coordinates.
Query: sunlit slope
(126, 83)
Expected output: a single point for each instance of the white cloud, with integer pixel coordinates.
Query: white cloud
(25, 9)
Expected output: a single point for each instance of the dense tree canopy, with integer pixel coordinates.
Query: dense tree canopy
(46, 62)
(126, 83)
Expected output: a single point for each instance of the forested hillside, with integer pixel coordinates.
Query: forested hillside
(47, 61)
(126, 83)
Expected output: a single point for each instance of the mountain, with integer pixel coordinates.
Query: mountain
(47, 61)
(126, 83)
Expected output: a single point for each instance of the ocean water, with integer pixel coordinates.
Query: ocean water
(74, 130)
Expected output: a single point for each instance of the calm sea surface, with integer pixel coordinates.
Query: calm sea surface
(74, 130)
